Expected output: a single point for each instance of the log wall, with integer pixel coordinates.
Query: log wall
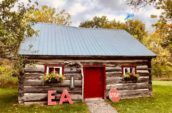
(32, 88)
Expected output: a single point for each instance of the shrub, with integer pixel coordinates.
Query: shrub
(6, 77)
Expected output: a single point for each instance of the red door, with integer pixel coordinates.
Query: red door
(94, 82)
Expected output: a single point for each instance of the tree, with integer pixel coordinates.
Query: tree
(134, 27)
(164, 5)
(49, 15)
(163, 31)
(96, 22)
(163, 25)
(13, 26)
(161, 64)
(102, 22)
(140, 2)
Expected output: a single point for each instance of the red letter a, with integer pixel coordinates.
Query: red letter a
(65, 97)
(50, 97)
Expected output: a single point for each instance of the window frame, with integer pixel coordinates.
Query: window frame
(47, 66)
(128, 66)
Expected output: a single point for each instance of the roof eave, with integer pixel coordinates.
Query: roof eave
(85, 57)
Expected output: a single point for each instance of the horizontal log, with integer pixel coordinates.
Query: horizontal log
(76, 76)
(147, 94)
(76, 73)
(44, 89)
(142, 66)
(33, 82)
(41, 83)
(111, 65)
(34, 71)
(35, 103)
(30, 97)
(34, 77)
(113, 73)
(72, 74)
(113, 69)
(132, 93)
(34, 68)
(142, 71)
(105, 62)
(136, 96)
(112, 80)
(143, 79)
(115, 64)
(78, 83)
(144, 74)
(129, 86)
(34, 96)
(70, 60)
(34, 74)
(72, 70)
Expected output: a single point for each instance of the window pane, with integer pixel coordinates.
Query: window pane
(125, 70)
(57, 70)
(131, 69)
(128, 70)
(51, 70)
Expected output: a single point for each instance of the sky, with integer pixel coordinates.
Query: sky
(82, 10)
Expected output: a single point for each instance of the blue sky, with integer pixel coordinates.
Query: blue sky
(82, 10)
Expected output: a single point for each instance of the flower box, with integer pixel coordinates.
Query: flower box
(130, 77)
(53, 78)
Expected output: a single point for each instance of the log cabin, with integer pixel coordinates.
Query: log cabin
(92, 60)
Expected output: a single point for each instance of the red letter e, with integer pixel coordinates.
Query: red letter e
(50, 97)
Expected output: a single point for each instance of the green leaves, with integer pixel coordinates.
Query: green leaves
(13, 26)
(49, 15)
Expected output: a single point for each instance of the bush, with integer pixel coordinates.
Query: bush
(6, 76)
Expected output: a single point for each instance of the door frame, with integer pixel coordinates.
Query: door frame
(104, 81)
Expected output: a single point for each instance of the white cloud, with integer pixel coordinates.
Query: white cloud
(82, 10)
(57, 3)
(76, 9)
(111, 4)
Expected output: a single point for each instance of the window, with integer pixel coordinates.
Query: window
(128, 69)
(54, 69)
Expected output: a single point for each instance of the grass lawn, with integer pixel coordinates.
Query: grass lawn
(8, 104)
(163, 83)
(161, 102)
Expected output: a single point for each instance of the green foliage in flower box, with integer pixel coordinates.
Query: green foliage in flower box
(131, 77)
(53, 78)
